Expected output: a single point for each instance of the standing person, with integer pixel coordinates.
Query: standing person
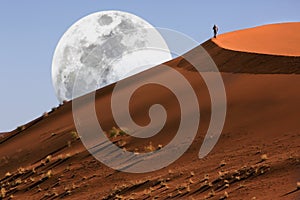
(215, 28)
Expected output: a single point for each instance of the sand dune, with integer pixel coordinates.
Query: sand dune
(275, 39)
(269, 49)
(256, 156)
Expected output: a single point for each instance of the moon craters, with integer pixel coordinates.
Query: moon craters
(105, 20)
(100, 49)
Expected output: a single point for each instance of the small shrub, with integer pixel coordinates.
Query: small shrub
(49, 173)
(74, 186)
(60, 157)
(18, 181)
(39, 188)
(181, 187)
(75, 135)
(211, 193)
(225, 196)
(47, 194)
(136, 151)
(68, 168)
(264, 157)
(241, 186)
(21, 170)
(121, 143)
(119, 197)
(48, 158)
(192, 173)
(223, 163)
(164, 184)
(222, 174)
(21, 128)
(112, 134)
(121, 132)
(7, 174)
(147, 192)
(206, 177)
(68, 155)
(150, 147)
(3, 193)
(43, 162)
(191, 181)
(115, 132)
(188, 189)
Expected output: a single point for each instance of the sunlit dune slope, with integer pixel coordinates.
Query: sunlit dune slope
(275, 39)
(239, 52)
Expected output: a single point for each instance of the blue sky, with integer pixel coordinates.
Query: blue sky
(30, 31)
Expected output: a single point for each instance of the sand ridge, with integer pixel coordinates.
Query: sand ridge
(274, 39)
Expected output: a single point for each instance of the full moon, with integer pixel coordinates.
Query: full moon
(103, 48)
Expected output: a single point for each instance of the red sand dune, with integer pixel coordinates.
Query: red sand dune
(275, 39)
(257, 154)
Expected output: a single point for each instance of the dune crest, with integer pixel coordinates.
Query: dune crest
(274, 39)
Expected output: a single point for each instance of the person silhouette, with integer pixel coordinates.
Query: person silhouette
(215, 28)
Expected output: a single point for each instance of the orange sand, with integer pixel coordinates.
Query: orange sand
(275, 39)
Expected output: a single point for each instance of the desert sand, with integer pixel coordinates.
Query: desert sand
(256, 157)
(275, 39)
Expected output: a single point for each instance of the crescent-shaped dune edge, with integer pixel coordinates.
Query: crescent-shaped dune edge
(273, 39)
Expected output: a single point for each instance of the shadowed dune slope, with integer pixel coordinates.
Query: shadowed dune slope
(257, 154)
